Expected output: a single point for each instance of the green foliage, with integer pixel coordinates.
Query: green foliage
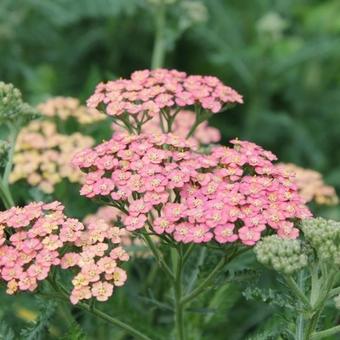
(40, 327)
(4, 148)
(268, 296)
(12, 107)
(6, 333)
(283, 56)
(74, 333)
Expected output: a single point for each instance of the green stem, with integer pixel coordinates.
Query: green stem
(318, 306)
(194, 274)
(6, 195)
(300, 319)
(157, 255)
(193, 128)
(179, 306)
(12, 141)
(188, 252)
(296, 290)
(203, 286)
(200, 118)
(326, 333)
(5, 192)
(334, 292)
(158, 53)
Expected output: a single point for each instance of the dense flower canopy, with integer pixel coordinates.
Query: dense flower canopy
(148, 92)
(42, 155)
(160, 181)
(311, 185)
(39, 236)
(66, 107)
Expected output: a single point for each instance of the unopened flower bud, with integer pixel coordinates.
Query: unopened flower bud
(12, 106)
(324, 236)
(283, 255)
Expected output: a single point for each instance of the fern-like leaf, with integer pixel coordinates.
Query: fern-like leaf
(6, 332)
(38, 330)
(75, 332)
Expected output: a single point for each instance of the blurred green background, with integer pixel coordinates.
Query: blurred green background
(283, 56)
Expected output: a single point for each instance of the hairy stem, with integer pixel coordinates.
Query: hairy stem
(319, 304)
(299, 334)
(326, 333)
(12, 141)
(296, 290)
(5, 193)
(159, 257)
(202, 287)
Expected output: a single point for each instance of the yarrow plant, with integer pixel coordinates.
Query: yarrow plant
(158, 187)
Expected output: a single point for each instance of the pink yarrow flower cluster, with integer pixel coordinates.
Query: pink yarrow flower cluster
(33, 239)
(31, 247)
(149, 92)
(159, 181)
(97, 262)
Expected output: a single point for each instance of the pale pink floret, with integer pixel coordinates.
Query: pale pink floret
(102, 290)
(134, 222)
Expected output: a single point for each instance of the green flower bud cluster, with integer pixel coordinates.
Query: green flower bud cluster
(283, 255)
(324, 236)
(12, 106)
(4, 148)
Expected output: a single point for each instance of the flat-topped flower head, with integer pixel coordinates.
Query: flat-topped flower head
(42, 155)
(233, 194)
(67, 107)
(31, 250)
(37, 237)
(311, 185)
(149, 93)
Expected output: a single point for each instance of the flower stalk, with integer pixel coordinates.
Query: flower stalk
(5, 192)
